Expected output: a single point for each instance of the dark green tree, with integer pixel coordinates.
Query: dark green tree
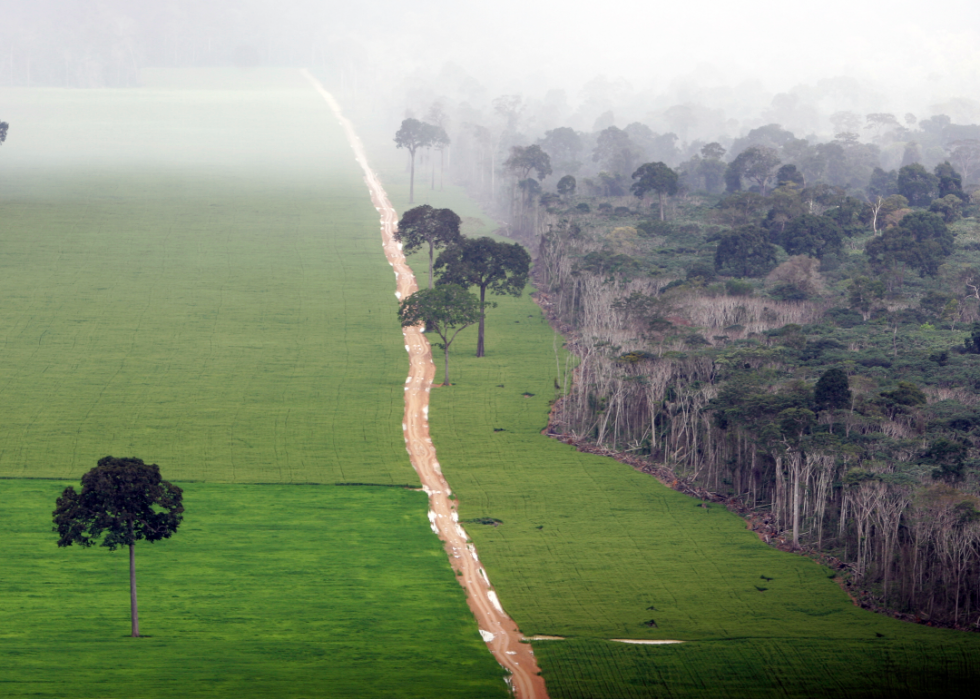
(811, 235)
(950, 181)
(655, 177)
(566, 186)
(4, 126)
(917, 184)
(425, 226)
(921, 241)
(501, 268)
(413, 135)
(446, 309)
(832, 390)
(122, 501)
(745, 253)
(790, 175)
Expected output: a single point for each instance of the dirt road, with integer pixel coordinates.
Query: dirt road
(497, 629)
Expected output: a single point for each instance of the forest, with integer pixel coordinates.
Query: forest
(789, 325)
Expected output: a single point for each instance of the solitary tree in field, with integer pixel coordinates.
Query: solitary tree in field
(655, 177)
(483, 262)
(446, 310)
(413, 135)
(424, 225)
(122, 501)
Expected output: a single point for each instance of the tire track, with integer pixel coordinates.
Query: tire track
(498, 630)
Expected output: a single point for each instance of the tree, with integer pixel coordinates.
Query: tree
(122, 501)
(424, 225)
(564, 145)
(917, 184)
(566, 186)
(832, 390)
(756, 164)
(921, 240)
(523, 159)
(950, 181)
(811, 235)
(655, 177)
(3, 131)
(501, 268)
(745, 253)
(447, 309)
(413, 135)
(615, 151)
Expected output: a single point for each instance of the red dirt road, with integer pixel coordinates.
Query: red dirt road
(497, 629)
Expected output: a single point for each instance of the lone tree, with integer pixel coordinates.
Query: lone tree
(122, 501)
(483, 262)
(446, 310)
(413, 135)
(424, 225)
(655, 177)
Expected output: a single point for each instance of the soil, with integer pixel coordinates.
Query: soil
(498, 630)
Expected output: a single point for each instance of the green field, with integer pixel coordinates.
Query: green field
(271, 590)
(195, 277)
(593, 550)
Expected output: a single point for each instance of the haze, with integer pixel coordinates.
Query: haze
(903, 57)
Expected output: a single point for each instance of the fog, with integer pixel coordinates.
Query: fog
(739, 64)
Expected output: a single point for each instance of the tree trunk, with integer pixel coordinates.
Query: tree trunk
(796, 508)
(662, 217)
(411, 181)
(479, 335)
(431, 253)
(445, 346)
(134, 612)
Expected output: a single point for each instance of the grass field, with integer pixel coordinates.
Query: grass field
(285, 591)
(592, 550)
(195, 277)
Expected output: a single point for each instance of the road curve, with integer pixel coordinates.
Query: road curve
(497, 629)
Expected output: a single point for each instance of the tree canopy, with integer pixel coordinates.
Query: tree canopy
(655, 177)
(412, 135)
(446, 309)
(426, 226)
(122, 501)
(745, 253)
(501, 268)
(921, 241)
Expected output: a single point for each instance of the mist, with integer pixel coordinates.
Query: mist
(734, 67)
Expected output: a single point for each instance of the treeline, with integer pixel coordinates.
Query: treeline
(794, 326)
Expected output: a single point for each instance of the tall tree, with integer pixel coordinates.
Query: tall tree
(447, 309)
(756, 164)
(423, 225)
(917, 184)
(655, 177)
(921, 240)
(523, 159)
(615, 151)
(413, 135)
(122, 501)
(501, 268)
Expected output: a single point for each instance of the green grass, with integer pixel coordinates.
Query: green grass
(195, 278)
(590, 549)
(286, 591)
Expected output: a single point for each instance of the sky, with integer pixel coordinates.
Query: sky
(910, 54)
